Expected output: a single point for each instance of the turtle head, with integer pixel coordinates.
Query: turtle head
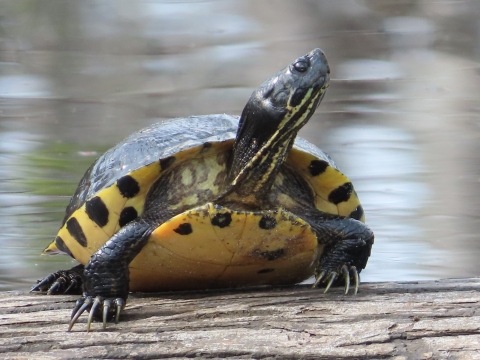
(287, 100)
(281, 106)
(272, 118)
(293, 92)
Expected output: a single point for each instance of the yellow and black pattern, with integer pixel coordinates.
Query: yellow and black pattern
(100, 217)
(334, 192)
(91, 225)
(105, 213)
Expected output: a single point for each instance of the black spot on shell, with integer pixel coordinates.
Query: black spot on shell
(267, 222)
(97, 211)
(128, 186)
(298, 96)
(317, 167)
(61, 246)
(357, 213)
(206, 146)
(222, 220)
(128, 214)
(341, 193)
(265, 271)
(165, 163)
(270, 255)
(184, 229)
(74, 228)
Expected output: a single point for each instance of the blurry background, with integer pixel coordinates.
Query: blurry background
(401, 117)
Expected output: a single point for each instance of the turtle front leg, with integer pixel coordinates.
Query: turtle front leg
(347, 246)
(106, 275)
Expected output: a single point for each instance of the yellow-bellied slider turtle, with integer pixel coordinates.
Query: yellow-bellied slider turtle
(214, 201)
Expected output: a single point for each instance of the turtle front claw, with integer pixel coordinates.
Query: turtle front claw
(61, 282)
(345, 272)
(97, 307)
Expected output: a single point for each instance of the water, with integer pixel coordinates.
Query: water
(400, 117)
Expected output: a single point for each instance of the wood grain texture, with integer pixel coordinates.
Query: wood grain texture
(412, 320)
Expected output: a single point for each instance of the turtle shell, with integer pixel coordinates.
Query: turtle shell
(206, 245)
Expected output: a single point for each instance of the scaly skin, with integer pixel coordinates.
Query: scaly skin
(107, 275)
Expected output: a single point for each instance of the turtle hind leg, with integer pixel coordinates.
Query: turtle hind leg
(62, 282)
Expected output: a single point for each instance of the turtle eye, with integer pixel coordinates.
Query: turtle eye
(301, 65)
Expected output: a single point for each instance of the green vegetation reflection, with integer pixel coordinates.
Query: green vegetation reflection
(57, 167)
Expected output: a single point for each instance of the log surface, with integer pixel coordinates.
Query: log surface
(410, 320)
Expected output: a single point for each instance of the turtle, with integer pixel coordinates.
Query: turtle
(214, 201)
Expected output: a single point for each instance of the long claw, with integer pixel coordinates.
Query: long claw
(318, 279)
(356, 279)
(96, 304)
(332, 279)
(106, 309)
(53, 288)
(346, 277)
(42, 283)
(120, 305)
(80, 311)
(72, 284)
(117, 315)
(37, 287)
(78, 305)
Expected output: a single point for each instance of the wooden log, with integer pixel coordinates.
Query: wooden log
(419, 320)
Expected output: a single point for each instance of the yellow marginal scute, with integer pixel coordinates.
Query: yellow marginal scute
(51, 249)
(346, 207)
(145, 177)
(324, 184)
(115, 202)
(94, 234)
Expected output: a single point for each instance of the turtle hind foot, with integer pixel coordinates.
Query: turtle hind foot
(104, 309)
(347, 273)
(62, 282)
